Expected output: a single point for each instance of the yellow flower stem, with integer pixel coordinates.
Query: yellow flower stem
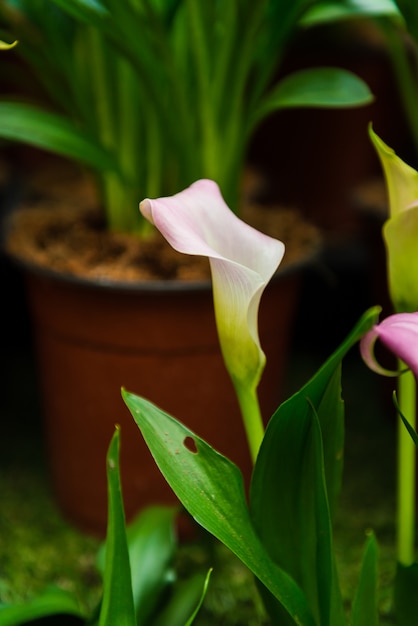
(406, 471)
(252, 419)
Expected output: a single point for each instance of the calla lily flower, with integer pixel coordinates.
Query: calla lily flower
(400, 231)
(399, 333)
(197, 221)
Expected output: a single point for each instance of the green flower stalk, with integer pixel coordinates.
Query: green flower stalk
(243, 260)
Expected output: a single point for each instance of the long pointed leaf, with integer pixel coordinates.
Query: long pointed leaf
(364, 611)
(211, 489)
(117, 605)
(151, 545)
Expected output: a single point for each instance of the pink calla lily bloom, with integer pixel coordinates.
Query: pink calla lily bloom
(197, 221)
(399, 333)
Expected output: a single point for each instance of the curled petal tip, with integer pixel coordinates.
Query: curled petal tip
(367, 345)
(146, 209)
(399, 333)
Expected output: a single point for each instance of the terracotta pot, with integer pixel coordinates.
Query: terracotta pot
(158, 341)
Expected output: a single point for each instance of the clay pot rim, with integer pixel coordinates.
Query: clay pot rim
(152, 285)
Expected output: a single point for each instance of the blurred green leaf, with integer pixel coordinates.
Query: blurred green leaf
(185, 602)
(152, 544)
(88, 10)
(117, 604)
(202, 597)
(364, 610)
(327, 12)
(320, 87)
(158, 597)
(53, 601)
(50, 131)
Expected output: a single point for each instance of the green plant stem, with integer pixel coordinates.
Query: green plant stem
(252, 419)
(130, 136)
(105, 119)
(202, 57)
(406, 471)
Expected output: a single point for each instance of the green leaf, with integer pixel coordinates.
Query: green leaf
(331, 416)
(320, 87)
(87, 10)
(185, 603)
(406, 597)
(117, 604)
(364, 611)
(202, 597)
(325, 12)
(211, 488)
(290, 507)
(54, 601)
(151, 545)
(286, 497)
(50, 131)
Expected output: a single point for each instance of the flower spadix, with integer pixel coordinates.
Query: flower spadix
(197, 221)
(399, 334)
(400, 231)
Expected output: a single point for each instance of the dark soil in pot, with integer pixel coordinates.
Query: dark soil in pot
(60, 228)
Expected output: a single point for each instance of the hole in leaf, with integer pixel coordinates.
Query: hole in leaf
(190, 444)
